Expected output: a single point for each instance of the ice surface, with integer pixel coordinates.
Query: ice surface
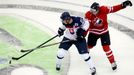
(122, 44)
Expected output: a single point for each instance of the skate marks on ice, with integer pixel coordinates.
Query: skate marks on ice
(38, 7)
(117, 26)
(9, 38)
(3, 60)
(124, 29)
(5, 71)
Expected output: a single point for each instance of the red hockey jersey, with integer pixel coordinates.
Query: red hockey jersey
(102, 27)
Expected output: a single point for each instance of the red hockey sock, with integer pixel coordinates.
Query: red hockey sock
(90, 47)
(109, 53)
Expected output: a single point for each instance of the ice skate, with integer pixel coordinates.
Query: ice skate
(93, 71)
(58, 66)
(114, 66)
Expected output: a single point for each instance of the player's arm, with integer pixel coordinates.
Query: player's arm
(88, 16)
(85, 24)
(119, 7)
(83, 28)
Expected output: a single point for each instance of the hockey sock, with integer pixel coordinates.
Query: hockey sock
(60, 55)
(90, 47)
(88, 59)
(109, 53)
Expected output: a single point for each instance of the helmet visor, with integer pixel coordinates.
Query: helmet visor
(93, 11)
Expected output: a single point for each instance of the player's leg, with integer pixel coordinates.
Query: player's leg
(63, 47)
(83, 51)
(105, 40)
(92, 39)
(60, 55)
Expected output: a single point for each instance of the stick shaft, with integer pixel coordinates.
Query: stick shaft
(39, 45)
(17, 58)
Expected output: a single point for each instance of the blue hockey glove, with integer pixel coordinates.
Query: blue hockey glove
(80, 34)
(60, 32)
(80, 38)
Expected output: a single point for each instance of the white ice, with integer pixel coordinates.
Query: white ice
(27, 71)
(122, 44)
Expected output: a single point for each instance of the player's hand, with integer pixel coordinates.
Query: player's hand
(80, 32)
(80, 38)
(60, 32)
(126, 3)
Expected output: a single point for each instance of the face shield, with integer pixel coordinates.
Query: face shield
(94, 9)
(68, 20)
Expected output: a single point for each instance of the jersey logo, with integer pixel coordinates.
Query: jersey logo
(71, 30)
(97, 22)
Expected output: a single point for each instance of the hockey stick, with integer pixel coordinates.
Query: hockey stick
(17, 58)
(26, 50)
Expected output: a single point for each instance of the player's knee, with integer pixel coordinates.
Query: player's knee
(86, 56)
(106, 48)
(61, 53)
(84, 51)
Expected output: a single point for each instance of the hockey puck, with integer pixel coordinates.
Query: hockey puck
(10, 62)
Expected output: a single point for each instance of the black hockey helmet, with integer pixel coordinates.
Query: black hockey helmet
(65, 15)
(95, 6)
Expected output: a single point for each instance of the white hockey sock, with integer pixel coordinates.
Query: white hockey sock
(60, 55)
(58, 61)
(88, 59)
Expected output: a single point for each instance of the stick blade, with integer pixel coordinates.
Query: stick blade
(24, 50)
(10, 62)
(14, 58)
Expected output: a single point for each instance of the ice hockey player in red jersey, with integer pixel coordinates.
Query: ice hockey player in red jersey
(97, 17)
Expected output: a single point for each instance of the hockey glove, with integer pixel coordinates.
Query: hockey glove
(126, 3)
(60, 32)
(80, 34)
(80, 38)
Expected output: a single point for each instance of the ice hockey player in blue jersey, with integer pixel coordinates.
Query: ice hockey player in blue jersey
(74, 28)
